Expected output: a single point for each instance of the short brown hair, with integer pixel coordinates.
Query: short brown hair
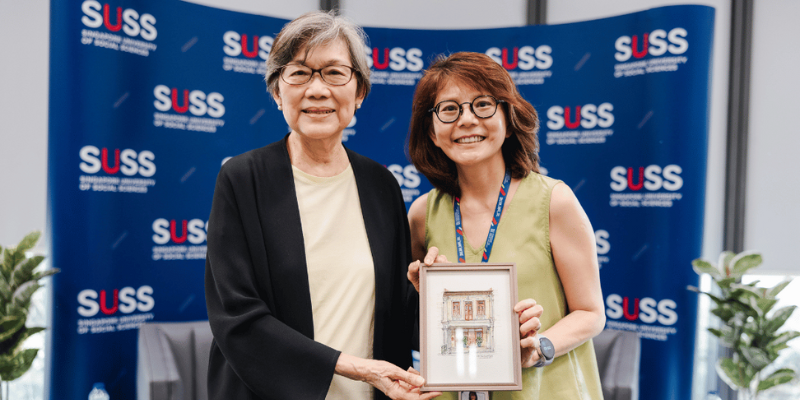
(520, 150)
(313, 29)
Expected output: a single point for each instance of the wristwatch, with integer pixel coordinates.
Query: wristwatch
(547, 352)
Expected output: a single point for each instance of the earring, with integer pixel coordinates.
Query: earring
(358, 106)
(279, 107)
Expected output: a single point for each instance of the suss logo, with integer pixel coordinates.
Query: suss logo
(251, 46)
(127, 161)
(652, 43)
(196, 101)
(407, 177)
(397, 59)
(129, 21)
(179, 231)
(525, 58)
(647, 310)
(588, 116)
(652, 178)
(125, 300)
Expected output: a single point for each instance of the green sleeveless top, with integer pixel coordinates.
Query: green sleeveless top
(523, 237)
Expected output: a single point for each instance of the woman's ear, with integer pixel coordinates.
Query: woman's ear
(432, 135)
(360, 97)
(277, 97)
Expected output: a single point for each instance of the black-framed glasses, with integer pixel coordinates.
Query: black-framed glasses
(483, 106)
(299, 74)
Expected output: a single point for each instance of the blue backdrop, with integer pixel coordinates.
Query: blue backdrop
(149, 98)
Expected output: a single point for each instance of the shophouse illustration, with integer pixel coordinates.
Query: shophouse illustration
(467, 320)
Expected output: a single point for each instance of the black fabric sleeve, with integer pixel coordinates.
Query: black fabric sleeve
(254, 354)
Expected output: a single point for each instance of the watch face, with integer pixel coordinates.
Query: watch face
(548, 350)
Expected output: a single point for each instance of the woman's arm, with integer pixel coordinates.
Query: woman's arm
(386, 377)
(251, 346)
(575, 254)
(416, 221)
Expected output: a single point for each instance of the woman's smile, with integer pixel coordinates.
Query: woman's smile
(318, 111)
(470, 139)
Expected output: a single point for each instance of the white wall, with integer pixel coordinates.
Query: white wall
(436, 14)
(24, 38)
(273, 8)
(772, 206)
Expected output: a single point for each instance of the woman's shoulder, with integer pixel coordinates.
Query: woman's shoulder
(367, 168)
(247, 163)
(542, 180)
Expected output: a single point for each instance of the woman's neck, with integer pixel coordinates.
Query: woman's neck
(323, 157)
(481, 183)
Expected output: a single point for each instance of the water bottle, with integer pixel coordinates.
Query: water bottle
(99, 392)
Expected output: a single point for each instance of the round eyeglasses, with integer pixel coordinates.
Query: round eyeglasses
(483, 106)
(298, 74)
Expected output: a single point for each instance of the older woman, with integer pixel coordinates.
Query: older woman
(308, 242)
(474, 137)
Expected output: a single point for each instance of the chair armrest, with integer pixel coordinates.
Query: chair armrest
(621, 380)
(157, 375)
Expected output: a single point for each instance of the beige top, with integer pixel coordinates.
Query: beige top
(341, 274)
(523, 237)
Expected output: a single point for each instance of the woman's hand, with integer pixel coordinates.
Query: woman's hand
(384, 376)
(432, 257)
(529, 324)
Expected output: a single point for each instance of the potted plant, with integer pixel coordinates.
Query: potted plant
(18, 282)
(749, 324)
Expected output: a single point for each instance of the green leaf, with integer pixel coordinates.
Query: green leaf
(5, 289)
(778, 377)
(704, 267)
(745, 261)
(9, 325)
(724, 313)
(765, 305)
(773, 292)
(731, 374)
(756, 357)
(779, 318)
(22, 297)
(45, 273)
(716, 332)
(10, 260)
(28, 242)
(740, 290)
(784, 338)
(726, 283)
(20, 364)
(24, 272)
(754, 305)
(724, 262)
(7, 347)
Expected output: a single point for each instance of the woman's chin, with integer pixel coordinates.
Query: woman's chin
(320, 133)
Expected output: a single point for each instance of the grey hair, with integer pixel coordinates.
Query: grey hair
(314, 29)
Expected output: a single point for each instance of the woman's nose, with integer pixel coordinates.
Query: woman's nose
(467, 116)
(317, 87)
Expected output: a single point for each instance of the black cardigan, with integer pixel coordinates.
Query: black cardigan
(256, 282)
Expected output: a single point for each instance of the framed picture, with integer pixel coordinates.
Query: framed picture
(469, 332)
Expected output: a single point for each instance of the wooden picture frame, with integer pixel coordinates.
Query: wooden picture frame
(469, 332)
